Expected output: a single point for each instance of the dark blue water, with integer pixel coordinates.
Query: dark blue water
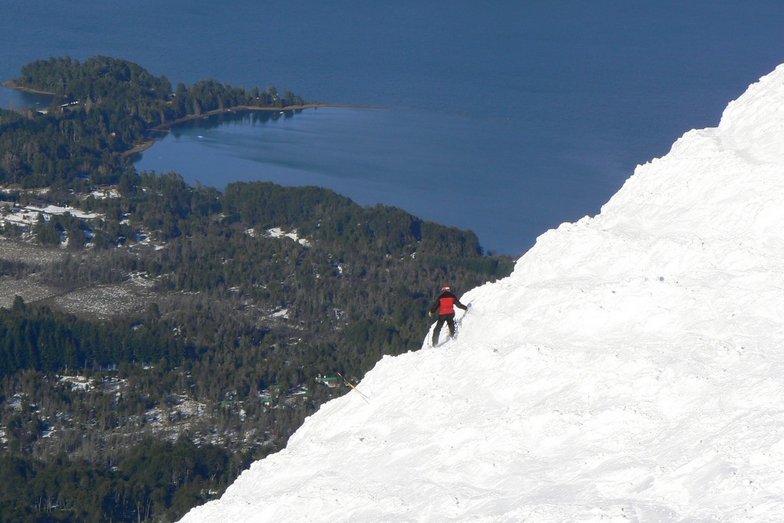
(504, 117)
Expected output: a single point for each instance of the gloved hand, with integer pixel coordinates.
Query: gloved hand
(429, 314)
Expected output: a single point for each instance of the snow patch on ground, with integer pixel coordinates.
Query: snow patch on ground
(281, 314)
(277, 232)
(104, 194)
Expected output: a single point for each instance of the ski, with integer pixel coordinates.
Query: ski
(353, 387)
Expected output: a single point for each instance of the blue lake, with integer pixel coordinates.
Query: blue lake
(506, 118)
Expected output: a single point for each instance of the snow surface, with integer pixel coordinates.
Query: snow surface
(277, 232)
(28, 215)
(630, 369)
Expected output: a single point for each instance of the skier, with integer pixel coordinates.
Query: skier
(445, 306)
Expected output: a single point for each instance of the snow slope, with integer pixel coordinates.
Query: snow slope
(631, 368)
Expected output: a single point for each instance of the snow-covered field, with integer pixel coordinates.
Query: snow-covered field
(101, 301)
(630, 369)
(29, 215)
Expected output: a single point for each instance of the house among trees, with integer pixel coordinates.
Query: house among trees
(330, 381)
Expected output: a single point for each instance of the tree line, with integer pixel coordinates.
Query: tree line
(158, 480)
(39, 338)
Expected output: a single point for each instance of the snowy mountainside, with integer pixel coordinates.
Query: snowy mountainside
(630, 369)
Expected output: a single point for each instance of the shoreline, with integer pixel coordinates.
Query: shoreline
(11, 84)
(165, 128)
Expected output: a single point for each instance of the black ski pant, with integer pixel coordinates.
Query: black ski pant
(450, 322)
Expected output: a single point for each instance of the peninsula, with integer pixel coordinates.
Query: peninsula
(153, 105)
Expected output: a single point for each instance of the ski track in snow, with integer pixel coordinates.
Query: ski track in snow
(630, 369)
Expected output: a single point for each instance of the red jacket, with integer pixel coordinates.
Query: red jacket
(446, 303)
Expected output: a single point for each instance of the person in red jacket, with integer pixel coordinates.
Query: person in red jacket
(445, 307)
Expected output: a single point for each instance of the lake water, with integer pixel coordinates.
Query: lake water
(506, 118)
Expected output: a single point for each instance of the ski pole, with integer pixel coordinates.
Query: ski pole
(356, 389)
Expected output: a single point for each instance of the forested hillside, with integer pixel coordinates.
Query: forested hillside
(156, 337)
